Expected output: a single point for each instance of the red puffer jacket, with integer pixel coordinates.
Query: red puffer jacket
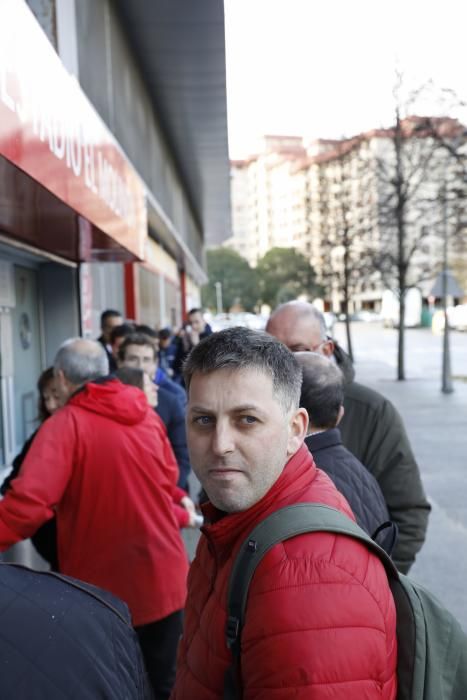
(320, 619)
(104, 465)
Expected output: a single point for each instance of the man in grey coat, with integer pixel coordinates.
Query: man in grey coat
(371, 429)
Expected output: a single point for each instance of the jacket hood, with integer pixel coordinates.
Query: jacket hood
(122, 403)
(344, 363)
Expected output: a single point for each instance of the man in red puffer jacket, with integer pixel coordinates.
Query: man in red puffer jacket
(320, 620)
(104, 466)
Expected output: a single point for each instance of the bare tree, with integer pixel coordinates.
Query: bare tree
(411, 174)
(344, 262)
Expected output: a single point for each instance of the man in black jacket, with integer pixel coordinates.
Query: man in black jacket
(62, 638)
(322, 396)
(371, 429)
(110, 318)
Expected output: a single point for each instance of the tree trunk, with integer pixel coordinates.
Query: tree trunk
(347, 322)
(349, 338)
(346, 282)
(401, 241)
(401, 338)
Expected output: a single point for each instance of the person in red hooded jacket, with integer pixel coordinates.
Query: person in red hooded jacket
(103, 465)
(320, 620)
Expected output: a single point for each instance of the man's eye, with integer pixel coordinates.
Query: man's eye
(203, 420)
(248, 420)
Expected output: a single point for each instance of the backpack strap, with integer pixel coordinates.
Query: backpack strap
(280, 526)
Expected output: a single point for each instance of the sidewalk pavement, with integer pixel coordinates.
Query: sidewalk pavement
(437, 427)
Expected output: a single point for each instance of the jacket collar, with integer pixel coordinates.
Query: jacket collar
(225, 529)
(344, 363)
(320, 441)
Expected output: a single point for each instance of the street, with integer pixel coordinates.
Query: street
(437, 427)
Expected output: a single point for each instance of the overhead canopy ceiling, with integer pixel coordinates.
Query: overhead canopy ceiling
(180, 45)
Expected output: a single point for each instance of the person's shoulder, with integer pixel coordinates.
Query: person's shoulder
(54, 628)
(41, 587)
(169, 400)
(359, 393)
(323, 559)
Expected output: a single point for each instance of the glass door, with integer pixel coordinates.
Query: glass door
(26, 345)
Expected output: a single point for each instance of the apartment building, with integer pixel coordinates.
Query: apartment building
(334, 201)
(264, 198)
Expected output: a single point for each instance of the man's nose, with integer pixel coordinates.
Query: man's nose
(223, 439)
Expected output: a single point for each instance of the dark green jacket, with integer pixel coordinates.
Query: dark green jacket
(373, 431)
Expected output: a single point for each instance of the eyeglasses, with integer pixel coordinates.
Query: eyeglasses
(313, 348)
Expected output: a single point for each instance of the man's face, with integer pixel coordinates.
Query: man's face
(109, 324)
(239, 436)
(141, 357)
(52, 396)
(197, 322)
(299, 333)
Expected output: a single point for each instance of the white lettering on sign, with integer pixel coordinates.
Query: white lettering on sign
(53, 109)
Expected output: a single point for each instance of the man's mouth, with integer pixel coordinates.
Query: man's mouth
(223, 472)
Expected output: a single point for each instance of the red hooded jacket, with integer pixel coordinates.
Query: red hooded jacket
(320, 619)
(104, 465)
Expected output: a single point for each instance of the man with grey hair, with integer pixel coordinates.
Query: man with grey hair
(103, 465)
(371, 429)
(312, 597)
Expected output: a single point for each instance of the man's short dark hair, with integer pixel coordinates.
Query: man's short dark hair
(165, 334)
(322, 389)
(136, 339)
(242, 348)
(109, 313)
(195, 311)
(146, 330)
(121, 331)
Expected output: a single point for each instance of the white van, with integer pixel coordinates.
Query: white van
(413, 308)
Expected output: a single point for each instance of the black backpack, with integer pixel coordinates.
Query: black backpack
(432, 648)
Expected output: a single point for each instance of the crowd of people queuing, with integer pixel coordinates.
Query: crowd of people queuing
(265, 419)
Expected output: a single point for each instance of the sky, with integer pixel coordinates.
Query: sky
(326, 68)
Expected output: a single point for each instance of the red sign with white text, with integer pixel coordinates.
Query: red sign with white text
(49, 129)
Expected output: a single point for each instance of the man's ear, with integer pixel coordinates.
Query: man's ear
(60, 376)
(298, 426)
(64, 386)
(340, 415)
(328, 348)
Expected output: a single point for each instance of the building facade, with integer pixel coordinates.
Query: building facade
(114, 174)
(335, 202)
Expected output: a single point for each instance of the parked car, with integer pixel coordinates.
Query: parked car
(367, 316)
(457, 316)
(229, 320)
(413, 308)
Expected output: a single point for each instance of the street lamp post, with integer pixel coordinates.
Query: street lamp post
(218, 286)
(446, 386)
